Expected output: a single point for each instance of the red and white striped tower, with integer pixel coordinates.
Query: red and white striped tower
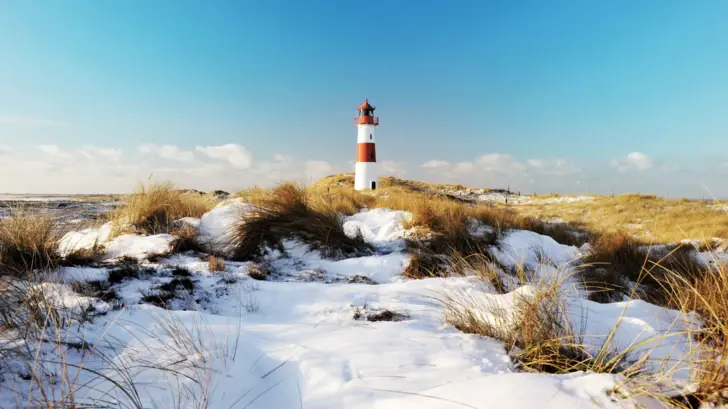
(366, 156)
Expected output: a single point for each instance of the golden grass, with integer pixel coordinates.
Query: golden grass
(707, 295)
(153, 208)
(346, 180)
(538, 336)
(651, 218)
(535, 331)
(292, 212)
(216, 263)
(28, 242)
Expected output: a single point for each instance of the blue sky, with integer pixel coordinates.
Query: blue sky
(546, 96)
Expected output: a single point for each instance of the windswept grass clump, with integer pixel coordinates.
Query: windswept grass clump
(618, 266)
(28, 242)
(706, 295)
(445, 229)
(289, 212)
(346, 201)
(215, 264)
(154, 208)
(535, 330)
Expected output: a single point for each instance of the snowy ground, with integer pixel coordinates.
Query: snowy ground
(292, 341)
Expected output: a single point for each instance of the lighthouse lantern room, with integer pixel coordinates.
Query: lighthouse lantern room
(366, 156)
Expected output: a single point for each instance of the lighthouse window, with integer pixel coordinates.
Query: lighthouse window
(374, 185)
(370, 136)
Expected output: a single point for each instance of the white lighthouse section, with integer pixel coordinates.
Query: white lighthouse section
(366, 133)
(366, 176)
(365, 172)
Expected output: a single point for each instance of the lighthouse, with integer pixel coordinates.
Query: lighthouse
(366, 156)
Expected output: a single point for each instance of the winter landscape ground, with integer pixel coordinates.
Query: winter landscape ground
(320, 297)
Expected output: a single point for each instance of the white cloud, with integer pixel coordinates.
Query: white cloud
(498, 162)
(87, 169)
(554, 167)
(236, 155)
(54, 152)
(96, 153)
(167, 152)
(5, 150)
(434, 164)
(207, 169)
(633, 161)
(278, 163)
(463, 167)
(317, 169)
(393, 168)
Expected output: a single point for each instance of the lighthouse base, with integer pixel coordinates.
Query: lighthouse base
(366, 176)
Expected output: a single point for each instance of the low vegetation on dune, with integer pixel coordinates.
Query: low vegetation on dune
(652, 218)
(386, 182)
(152, 209)
(443, 229)
(292, 212)
(28, 242)
(534, 332)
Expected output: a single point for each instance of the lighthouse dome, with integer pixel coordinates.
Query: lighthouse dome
(366, 106)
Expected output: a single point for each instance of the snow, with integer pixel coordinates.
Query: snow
(500, 197)
(644, 331)
(81, 274)
(84, 239)
(292, 341)
(303, 343)
(538, 253)
(139, 247)
(713, 259)
(379, 227)
(189, 221)
(215, 225)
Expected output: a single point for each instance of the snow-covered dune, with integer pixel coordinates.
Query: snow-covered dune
(309, 338)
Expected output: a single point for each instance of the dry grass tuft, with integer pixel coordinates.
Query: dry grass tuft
(346, 201)
(618, 266)
(83, 257)
(706, 294)
(28, 242)
(186, 239)
(154, 208)
(258, 271)
(446, 230)
(290, 212)
(216, 264)
(535, 331)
